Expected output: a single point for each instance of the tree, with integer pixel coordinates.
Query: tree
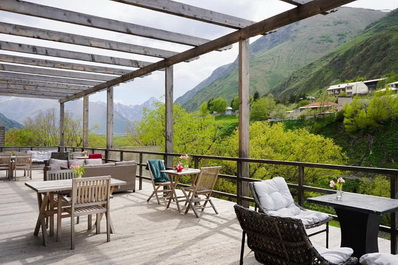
(204, 108)
(262, 108)
(217, 105)
(279, 112)
(235, 103)
(256, 96)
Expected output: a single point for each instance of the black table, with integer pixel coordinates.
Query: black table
(359, 216)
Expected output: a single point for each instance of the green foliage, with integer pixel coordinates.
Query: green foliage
(235, 103)
(279, 112)
(204, 108)
(365, 114)
(256, 96)
(261, 109)
(217, 105)
(303, 103)
(43, 130)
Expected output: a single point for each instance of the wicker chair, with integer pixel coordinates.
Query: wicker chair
(284, 241)
(158, 179)
(5, 163)
(201, 190)
(264, 190)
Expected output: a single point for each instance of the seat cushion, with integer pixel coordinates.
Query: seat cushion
(337, 255)
(274, 194)
(94, 161)
(57, 164)
(379, 259)
(77, 162)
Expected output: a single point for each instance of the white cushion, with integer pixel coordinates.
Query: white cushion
(57, 164)
(274, 196)
(337, 255)
(379, 259)
(93, 161)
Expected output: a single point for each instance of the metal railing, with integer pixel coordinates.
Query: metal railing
(141, 157)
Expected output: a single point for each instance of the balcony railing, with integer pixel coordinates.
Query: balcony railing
(241, 196)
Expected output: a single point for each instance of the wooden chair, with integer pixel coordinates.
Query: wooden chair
(5, 163)
(283, 240)
(89, 196)
(23, 162)
(273, 197)
(158, 179)
(201, 190)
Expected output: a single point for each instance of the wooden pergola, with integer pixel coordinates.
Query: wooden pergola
(66, 81)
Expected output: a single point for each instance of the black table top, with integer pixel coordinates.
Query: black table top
(359, 202)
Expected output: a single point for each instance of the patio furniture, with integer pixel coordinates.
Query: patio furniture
(23, 162)
(60, 155)
(273, 197)
(158, 178)
(5, 163)
(95, 156)
(283, 240)
(174, 178)
(378, 259)
(201, 190)
(359, 216)
(46, 189)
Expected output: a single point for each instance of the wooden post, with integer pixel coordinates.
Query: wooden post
(85, 121)
(62, 127)
(244, 117)
(394, 215)
(109, 122)
(169, 121)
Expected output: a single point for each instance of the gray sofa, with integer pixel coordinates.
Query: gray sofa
(125, 170)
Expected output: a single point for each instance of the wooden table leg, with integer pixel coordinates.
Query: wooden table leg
(41, 220)
(173, 186)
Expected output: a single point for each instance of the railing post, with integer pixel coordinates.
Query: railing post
(393, 223)
(106, 155)
(239, 182)
(300, 191)
(140, 171)
(121, 155)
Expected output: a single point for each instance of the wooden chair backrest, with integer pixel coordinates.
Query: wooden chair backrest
(60, 174)
(23, 159)
(207, 178)
(5, 159)
(90, 191)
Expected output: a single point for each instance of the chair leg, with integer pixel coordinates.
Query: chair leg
(242, 248)
(108, 227)
(327, 235)
(89, 222)
(72, 232)
(59, 205)
(212, 205)
(98, 224)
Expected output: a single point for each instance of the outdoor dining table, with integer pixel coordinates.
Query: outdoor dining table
(359, 216)
(174, 177)
(45, 194)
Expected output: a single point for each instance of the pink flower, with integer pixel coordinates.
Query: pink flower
(184, 157)
(332, 184)
(340, 180)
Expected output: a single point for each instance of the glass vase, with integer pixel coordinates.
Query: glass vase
(339, 194)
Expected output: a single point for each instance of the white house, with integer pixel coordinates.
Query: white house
(354, 88)
(228, 111)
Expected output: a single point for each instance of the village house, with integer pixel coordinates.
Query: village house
(354, 88)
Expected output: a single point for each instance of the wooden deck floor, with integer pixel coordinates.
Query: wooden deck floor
(146, 233)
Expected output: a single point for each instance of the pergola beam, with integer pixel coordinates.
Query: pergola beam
(81, 56)
(52, 72)
(310, 9)
(44, 84)
(42, 11)
(50, 35)
(49, 89)
(61, 65)
(11, 94)
(52, 95)
(29, 77)
(191, 12)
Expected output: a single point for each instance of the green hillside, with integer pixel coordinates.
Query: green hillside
(371, 55)
(9, 124)
(276, 56)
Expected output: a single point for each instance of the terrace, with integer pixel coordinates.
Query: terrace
(146, 233)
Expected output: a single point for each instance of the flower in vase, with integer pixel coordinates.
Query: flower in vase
(79, 170)
(338, 184)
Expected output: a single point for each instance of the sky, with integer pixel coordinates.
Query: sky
(186, 75)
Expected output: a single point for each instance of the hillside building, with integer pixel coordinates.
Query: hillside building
(354, 88)
(327, 106)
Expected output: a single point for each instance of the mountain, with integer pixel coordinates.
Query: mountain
(9, 124)
(371, 55)
(274, 57)
(21, 108)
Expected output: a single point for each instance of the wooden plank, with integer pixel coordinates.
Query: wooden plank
(109, 120)
(169, 119)
(4, 91)
(48, 89)
(42, 11)
(51, 35)
(61, 65)
(191, 12)
(12, 94)
(81, 56)
(62, 127)
(44, 84)
(27, 77)
(52, 72)
(296, 2)
(85, 120)
(308, 10)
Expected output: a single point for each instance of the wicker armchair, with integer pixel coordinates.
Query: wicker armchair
(282, 204)
(283, 240)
